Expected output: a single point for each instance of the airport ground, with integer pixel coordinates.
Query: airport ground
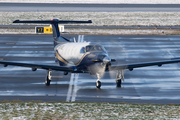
(154, 85)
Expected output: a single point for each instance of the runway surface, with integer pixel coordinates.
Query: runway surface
(53, 7)
(94, 27)
(143, 85)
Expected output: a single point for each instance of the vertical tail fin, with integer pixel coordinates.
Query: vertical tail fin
(56, 32)
(54, 22)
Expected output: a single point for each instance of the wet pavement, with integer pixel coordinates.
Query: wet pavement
(142, 85)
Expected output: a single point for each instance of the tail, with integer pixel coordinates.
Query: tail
(54, 22)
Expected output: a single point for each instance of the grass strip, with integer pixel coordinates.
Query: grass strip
(83, 110)
(99, 18)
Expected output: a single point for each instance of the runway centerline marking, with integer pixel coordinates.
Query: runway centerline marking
(70, 87)
(72, 91)
(75, 88)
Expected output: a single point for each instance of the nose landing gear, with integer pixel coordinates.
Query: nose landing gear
(98, 82)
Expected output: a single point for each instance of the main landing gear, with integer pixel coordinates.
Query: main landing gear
(119, 77)
(48, 77)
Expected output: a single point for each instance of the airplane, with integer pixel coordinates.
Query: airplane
(87, 57)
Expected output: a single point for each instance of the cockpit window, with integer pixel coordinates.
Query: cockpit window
(95, 48)
(83, 50)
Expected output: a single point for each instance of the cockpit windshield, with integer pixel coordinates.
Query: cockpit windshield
(94, 48)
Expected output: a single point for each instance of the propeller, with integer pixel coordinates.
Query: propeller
(119, 57)
(98, 68)
(102, 62)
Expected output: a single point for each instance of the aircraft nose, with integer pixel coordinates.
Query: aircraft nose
(106, 60)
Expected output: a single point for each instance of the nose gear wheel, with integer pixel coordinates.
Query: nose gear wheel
(98, 84)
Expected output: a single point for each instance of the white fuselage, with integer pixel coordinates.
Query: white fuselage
(71, 52)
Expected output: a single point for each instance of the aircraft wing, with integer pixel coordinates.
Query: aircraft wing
(39, 66)
(145, 64)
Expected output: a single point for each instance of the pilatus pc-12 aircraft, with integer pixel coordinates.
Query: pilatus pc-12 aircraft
(87, 57)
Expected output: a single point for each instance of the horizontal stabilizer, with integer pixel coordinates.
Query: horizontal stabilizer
(57, 38)
(52, 21)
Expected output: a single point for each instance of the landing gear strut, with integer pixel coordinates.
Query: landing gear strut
(98, 82)
(119, 77)
(48, 77)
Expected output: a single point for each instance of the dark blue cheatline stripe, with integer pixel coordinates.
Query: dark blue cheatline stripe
(62, 57)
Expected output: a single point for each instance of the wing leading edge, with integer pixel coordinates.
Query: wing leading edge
(145, 64)
(38, 66)
(74, 70)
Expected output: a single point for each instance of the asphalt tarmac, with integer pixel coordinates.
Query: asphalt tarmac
(95, 27)
(158, 85)
(54, 7)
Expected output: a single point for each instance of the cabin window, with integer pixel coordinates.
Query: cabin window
(69, 51)
(61, 47)
(72, 51)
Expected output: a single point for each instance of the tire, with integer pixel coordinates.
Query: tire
(98, 84)
(47, 81)
(118, 82)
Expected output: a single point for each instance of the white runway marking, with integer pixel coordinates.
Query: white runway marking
(75, 87)
(70, 88)
(73, 80)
